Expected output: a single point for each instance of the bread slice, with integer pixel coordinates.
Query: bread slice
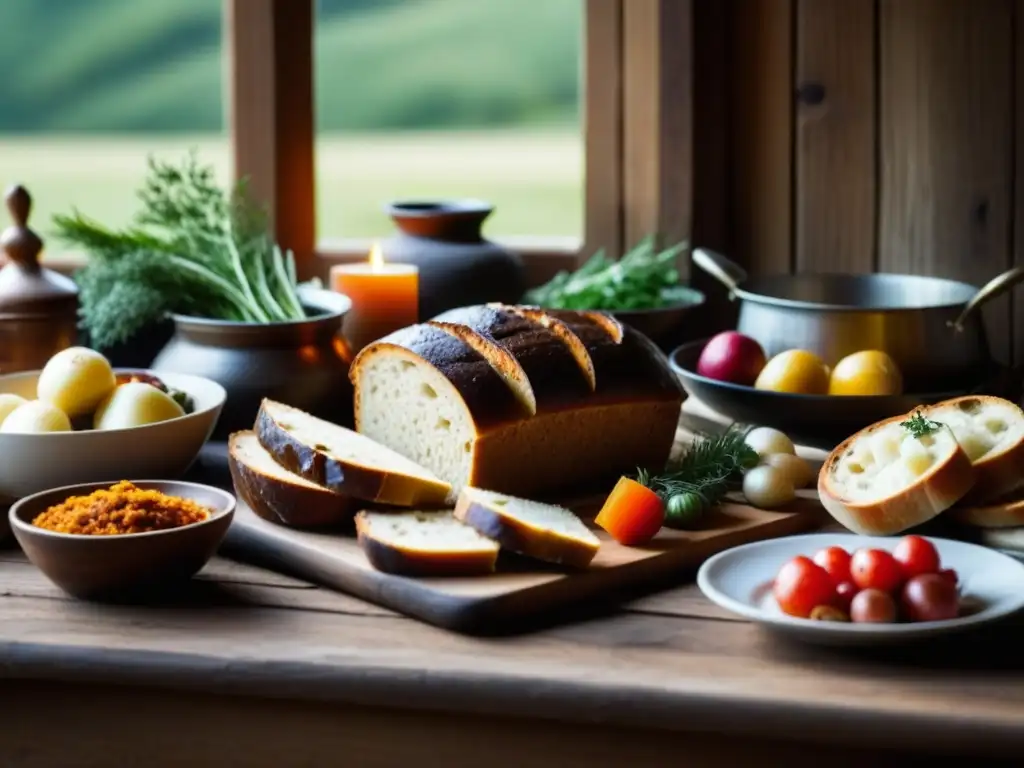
(280, 496)
(344, 461)
(991, 432)
(541, 531)
(418, 543)
(1008, 514)
(884, 480)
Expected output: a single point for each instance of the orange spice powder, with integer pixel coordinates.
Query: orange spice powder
(122, 508)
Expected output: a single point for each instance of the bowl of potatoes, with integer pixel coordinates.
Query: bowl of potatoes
(80, 421)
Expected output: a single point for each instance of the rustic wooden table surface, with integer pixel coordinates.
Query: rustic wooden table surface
(250, 667)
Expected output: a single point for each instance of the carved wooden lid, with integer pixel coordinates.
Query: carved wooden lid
(26, 288)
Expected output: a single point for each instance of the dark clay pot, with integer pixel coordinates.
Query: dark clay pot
(301, 363)
(457, 265)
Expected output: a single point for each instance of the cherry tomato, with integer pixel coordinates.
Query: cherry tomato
(836, 561)
(916, 555)
(951, 576)
(930, 597)
(828, 613)
(844, 595)
(801, 586)
(876, 569)
(873, 606)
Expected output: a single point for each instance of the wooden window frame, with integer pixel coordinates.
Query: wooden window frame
(637, 125)
(636, 139)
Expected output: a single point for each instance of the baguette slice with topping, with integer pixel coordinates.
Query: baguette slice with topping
(991, 432)
(888, 478)
(541, 531)
(416, 543)
(280, 496)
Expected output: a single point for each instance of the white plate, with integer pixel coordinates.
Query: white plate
(740, 580)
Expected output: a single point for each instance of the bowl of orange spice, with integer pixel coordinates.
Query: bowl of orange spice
(108, 541)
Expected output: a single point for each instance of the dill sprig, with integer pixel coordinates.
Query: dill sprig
(918, 426)
(709, 467)
(193, 248)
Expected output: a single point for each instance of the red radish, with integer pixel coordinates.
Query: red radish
(732, 357)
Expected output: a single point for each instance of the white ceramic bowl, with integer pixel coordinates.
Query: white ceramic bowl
(30, 463)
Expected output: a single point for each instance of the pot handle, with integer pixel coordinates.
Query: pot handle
(728, 273)
(990, 290)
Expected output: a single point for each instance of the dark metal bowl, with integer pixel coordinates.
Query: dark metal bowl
(663, 324)
(806, 418)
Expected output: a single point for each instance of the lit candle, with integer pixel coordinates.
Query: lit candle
(385, 297)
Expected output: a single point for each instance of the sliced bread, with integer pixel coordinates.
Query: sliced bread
(541, 531)
(991, 432)
(418, 543)
(1008, 514)
(280, 496)
(344, 461)
(886, 479)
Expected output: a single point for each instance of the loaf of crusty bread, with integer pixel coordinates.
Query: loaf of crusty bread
(991, 432)
(280, 496)
(419, 543)
(519, 400)
(884, 479)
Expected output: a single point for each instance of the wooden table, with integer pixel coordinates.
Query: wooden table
(249, 667)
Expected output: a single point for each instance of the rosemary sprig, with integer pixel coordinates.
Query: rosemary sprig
(709, 468)
(918, 426)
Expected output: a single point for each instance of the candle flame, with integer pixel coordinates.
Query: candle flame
(376, 258)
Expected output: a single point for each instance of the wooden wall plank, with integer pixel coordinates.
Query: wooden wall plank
(1017, 304)
(271, 114)
(712, 156)
(602, 109)
(657, 120)
(946, 133)
(835, 196)
(762, 134)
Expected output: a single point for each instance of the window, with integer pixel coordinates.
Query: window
(102, 99)
(449, 98)
(97, 86)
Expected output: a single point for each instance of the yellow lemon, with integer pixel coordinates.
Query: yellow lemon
(871, 372)
(796, 371)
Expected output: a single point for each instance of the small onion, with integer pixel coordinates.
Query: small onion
(35, 417)
(768, 488)
(796, 469)
(8, 402)
(766, 441)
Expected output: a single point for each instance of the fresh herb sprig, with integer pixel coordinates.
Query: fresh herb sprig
(192, 248)
(645, 278)
(918, 426)
(701, 476)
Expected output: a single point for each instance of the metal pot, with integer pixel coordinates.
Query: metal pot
(300, 362)
(928, 325)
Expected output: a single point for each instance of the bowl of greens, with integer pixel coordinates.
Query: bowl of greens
(641, 289)
(204, 257)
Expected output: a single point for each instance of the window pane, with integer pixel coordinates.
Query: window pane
(433, 99)
(96, 86)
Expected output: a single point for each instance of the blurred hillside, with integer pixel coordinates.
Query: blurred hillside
(103, 66)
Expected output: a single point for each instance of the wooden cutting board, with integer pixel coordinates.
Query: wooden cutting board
(521, 588)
